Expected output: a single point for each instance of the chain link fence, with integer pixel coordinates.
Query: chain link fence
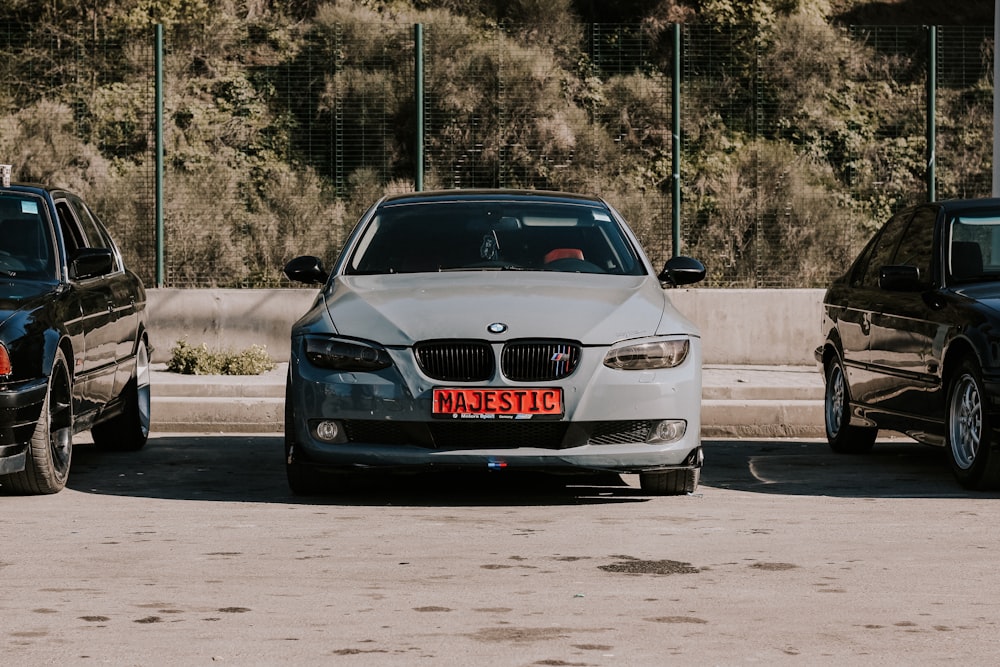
(795, 144)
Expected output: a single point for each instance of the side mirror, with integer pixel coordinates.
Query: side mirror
(306, 269)
(900, 278)
(682, 270)
(91, 262)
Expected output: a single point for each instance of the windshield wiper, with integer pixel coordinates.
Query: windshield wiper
(489, 267)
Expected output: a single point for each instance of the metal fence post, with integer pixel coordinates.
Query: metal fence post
(159, 152)
(931, 109)
(675, 148)
(418, 69)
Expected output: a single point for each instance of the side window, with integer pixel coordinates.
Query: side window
(95, 236)
(72, 235)
(884, 248)
(81, 230)
(916, 248)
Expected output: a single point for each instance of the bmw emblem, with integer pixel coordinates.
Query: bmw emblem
(497, 328)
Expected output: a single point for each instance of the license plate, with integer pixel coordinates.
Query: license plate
(498, 403)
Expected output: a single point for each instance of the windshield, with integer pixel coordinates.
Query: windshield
(494, 236)
(974, 253)
(26, 249)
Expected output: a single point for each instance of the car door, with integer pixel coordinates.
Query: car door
(859, 300)
(95, 364)
(906, 328)
(122, 289)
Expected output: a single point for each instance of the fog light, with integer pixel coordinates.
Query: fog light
(668, 430)
(327, 430)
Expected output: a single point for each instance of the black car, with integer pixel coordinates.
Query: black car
(74, 353)
(912, 338)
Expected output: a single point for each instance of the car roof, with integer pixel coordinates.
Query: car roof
(34, 188)
(957, 205)
(460, 195)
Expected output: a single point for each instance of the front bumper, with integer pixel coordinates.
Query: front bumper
(385, 422)
(20, 408)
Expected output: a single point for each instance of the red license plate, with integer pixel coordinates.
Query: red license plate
(523, 403)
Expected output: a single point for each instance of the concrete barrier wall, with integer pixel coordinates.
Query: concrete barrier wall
(752, 327)
(756, 326)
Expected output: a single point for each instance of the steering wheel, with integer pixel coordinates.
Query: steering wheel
(9, 262)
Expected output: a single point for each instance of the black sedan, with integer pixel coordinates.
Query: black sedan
(73, 348)
(912, 338)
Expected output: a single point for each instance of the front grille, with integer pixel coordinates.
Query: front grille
(449, 435)
(498, 435)
(377, 432)
(520, 361)
(539, 361)
(495, 433)
(455, 360)
(619, 433)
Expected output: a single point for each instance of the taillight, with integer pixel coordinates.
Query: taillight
(5, 368)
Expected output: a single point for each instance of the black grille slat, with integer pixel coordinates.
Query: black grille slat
(498, 435)
(474, 434)
(620, 432)
(456, 361)
(539, 361)
(520, 360)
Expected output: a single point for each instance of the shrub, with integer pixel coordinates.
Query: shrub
(200, 360)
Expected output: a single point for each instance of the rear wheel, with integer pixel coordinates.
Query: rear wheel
(51, 446)
(974, 461)
(129, 430)
(842, 436)
(670, 482)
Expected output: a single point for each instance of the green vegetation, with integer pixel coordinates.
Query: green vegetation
(286, 119)
(200, 360)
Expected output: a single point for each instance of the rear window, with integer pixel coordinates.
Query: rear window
(974, 251)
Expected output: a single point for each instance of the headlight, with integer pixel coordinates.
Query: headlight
(648, 356)
(346, 355)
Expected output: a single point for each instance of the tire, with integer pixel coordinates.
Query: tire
(974, 459)
(670, 482)
(302, 480)
(842, 436)
(129, 430)
(50, 450)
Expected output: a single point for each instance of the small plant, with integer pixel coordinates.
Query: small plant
(199, 360)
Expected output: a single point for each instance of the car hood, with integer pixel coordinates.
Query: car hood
(594, 309)
(987, 295)
(16, 295)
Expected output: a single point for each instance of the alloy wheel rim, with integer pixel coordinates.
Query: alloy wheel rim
(835, 399)
(966, 422)
(60, 420)
(142, 387)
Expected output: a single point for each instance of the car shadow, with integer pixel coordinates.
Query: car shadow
(894, 468)
(249, 468)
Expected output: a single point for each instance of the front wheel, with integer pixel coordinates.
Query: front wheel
(51, 446)
(842, 436)
(670, 482)
(974, 461)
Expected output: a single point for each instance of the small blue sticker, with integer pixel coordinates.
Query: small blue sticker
(29, 207)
